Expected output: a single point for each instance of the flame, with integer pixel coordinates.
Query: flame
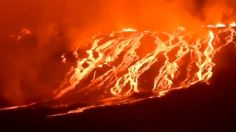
(222, 25)
(23, 33)
(129, 30)
(18, 107)
(233, 24)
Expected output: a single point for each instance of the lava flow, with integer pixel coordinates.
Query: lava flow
(119, 66)
(129, 65)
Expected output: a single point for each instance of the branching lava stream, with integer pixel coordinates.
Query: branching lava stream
(119, 66)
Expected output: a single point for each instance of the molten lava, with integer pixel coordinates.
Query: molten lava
(119, 67)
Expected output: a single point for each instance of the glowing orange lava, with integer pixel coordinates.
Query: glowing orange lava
(119, 65)
(177, 59)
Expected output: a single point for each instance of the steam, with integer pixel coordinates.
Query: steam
(30, 67)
